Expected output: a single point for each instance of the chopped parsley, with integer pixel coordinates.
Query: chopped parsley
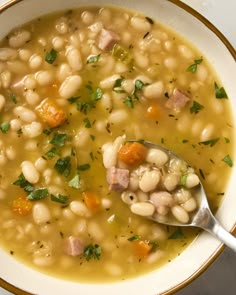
(210, 142)
(227, 159)
(129, 102)
(93, 58)
(178, 234)
(38, 194)
(53, 152)
(193, 68)
(220, 92)
(73, 99)
(23, 183)
(196, 107)
(83, 167)
(117, 85)
(87, 123)
(59, 139)
(63, 166)
(5, 126)
(92, 252)
(75, 182)
(59, 199)
(134, 238)
(51, 56)
(13, 98)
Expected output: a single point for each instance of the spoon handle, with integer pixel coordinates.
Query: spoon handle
(219, 232)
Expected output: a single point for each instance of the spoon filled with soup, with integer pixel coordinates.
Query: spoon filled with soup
(159, 185)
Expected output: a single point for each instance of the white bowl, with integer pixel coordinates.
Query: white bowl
(199, 255)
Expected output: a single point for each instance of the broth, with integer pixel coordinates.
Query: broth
(71, 82)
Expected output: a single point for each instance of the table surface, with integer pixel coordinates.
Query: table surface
(220, 277)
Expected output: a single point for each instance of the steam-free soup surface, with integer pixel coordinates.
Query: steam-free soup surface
(72, 82)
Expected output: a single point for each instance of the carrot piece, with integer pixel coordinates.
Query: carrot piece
(142, 248)
(21, 206)
(92, 201)
(153, 112)
(51, 113)
(132, 153)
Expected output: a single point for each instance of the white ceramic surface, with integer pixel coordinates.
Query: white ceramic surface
(194, 257)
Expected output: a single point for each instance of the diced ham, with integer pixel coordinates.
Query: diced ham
(73, 246)
(118, 179)
(107, 39)
(177, 100)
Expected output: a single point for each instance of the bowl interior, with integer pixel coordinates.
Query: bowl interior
(203, 250)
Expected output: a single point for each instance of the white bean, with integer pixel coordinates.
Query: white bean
(44, 78)
(25, 114)
(64, 71)
(35, 61)
(182, 195)
(70, 85)
(192, 180)
(162, 198)
(2, 194)
(190, 205)
(2, 102)
(129, 197)
(118, 116)
(207, 132)
(140, 24)
(32, 97)
(24, 54)
(133, 181)
(30, 172)
(57, 42)
(110, 150)
(19, 38)
(95, 231)
(171, 181)
(5, 77)
(11, 153)
(109, 81)
(106, 203)
(180, 214)
(32, 130)
(41, 213)
(154, 91)
(149, 180)
(142, 208)
(74, 58)
(81, 138)
(142, 197)
(29, 82)
(7, 54)
(157, 157)
(40, 164)
(141, 60)
(79, 208)
(113, 269)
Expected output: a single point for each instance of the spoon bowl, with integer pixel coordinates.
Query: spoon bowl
(202, 217)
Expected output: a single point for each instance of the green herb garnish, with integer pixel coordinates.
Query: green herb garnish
(23, 183)
(4, 127)
(58, 139)
(227, 159)
(220, 92)
(93, 58)
(38, 194)
(210, 142)
(87, 123)
(92, 252)
(53, 152)
(59, 199)
(178, 234)
(196, 107)
(51, 56)
(13, 98)
(75, 182)
(83, 167)
(63, 166)
(134, 238)
(193, 68)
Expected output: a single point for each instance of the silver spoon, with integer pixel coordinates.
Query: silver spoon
(203, 217)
